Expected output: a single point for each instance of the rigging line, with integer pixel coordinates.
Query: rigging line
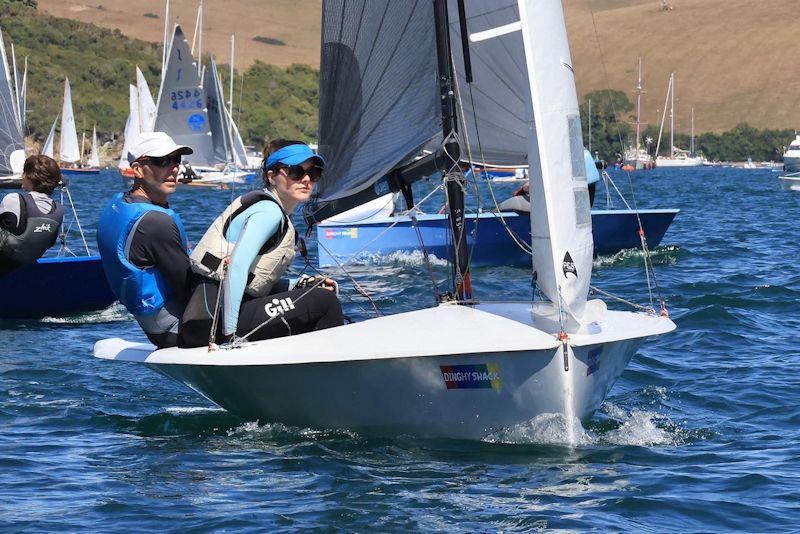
(425, 256)
(619, 132)
(620, 299)
(360, 290)
(340, 264)
(519, 242)
(78, 222)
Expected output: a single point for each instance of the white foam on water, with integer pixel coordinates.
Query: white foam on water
(544, 429)
(413, 259)
(115, 312)
(181, 410)
(639, 428)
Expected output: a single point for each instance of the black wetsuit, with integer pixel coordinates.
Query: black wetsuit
(279, 314)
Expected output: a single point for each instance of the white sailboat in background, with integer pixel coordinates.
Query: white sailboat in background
(69, 151)
(635, 155)
(48, 147)
(94, 155)
(132, 130)
(12, 119)
(677, 157)
(466, 368)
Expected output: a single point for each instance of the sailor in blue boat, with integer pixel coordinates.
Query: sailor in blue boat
(30, 221)
(142, 242)
(247, 250)
(521, 200)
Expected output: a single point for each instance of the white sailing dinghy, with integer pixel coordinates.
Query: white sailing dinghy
(68, 144)
(465, 368)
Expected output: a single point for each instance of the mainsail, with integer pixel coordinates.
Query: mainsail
(379, 93)
(182, 109)
(47, 148)
(216, 114)
(132, 129)
(495, 108)
(68, 151)
(147, 108)
(11, 128)
(228, 145)
(94, 157)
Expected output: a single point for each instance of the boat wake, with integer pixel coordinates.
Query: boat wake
(637, 427)
(632, 257)
(400, 258)
(114, 313)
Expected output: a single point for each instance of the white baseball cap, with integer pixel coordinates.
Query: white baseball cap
(157, 145)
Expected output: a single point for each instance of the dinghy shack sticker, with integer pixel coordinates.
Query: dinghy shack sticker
(480, 376)
(569, 266)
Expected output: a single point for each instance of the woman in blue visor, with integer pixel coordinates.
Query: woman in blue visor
(247, 250)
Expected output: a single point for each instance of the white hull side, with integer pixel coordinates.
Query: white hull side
(375, 378)
(678, 162)
(409, 395)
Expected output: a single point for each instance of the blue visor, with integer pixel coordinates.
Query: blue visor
(293, 155)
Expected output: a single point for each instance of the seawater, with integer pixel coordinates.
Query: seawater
(699, 434)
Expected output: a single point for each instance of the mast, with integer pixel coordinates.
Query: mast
(230, 103)
(590, 125)
(691, 148)
(672, 116)
(455, 181)
(638, 106)
(164, 50)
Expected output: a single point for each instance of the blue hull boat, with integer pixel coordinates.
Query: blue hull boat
(55, 287)
(613, 231)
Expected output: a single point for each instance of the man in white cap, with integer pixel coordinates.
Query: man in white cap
(143, 244)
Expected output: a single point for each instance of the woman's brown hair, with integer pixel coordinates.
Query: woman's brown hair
(43, 172)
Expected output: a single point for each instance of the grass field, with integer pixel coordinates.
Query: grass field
(732, 58)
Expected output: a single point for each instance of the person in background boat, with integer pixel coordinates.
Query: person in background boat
(521, 199)
(248, 249)
(30, 221)
(142, 243)
(188, 175)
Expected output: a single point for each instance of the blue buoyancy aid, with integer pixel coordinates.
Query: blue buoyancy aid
(142, 290)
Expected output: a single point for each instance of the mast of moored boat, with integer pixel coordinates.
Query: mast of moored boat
(454, 179)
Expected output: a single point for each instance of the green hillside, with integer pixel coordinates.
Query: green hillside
(100, 65)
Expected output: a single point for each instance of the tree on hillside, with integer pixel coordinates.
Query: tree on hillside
(610, 110)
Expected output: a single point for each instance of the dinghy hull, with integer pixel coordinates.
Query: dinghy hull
(461, 395)
(612, 231)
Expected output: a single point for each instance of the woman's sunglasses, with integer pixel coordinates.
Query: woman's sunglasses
(161, 162)
(297, 172)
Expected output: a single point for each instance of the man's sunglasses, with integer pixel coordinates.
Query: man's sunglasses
(297, 172)
(161, 162)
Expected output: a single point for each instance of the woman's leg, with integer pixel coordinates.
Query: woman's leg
(289, 313)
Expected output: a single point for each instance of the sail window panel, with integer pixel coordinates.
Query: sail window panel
(583, 210)
(379, 95)
(576, 148)
(497, 116)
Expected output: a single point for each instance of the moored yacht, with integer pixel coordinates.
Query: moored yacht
(791, 158)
